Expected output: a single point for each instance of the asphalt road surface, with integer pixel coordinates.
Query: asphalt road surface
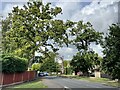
(59, 82)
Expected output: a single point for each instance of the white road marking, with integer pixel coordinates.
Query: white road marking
(66, 88)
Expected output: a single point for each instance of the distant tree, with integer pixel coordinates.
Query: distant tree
(84, 62)
(111, 45)
(65, 63)
(67, 67)
(49, 64)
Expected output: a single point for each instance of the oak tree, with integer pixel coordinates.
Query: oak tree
(84, 35)
(32, 27)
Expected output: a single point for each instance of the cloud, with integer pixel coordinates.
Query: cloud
(8, 7)
(18, 1)
(67, 52)
(68, 9)
(97, 48)
(101, 15)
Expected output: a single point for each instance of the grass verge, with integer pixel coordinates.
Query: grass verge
(31, 84)
(104, 81)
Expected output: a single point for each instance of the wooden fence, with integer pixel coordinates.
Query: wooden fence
(6, 79)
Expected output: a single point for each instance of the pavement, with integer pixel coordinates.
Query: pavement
(69, 84)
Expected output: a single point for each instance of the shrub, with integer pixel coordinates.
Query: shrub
(36, 66)
(11, 64)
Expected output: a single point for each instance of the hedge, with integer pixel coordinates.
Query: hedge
(12, 64)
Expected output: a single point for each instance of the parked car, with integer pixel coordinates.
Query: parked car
(41, 74)
(46, 73)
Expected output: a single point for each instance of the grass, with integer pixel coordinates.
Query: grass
(32, 84)
(104, 81)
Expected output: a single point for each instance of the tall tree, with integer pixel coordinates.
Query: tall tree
(111, 45)
(84, 35)
(32, 27)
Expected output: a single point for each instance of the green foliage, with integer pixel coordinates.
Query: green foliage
(84, 61)
(84, 35)
(111, 45)
(66, 63)
(49, 64)
(11, 64)
(26, 30)
(36, 66)
(67, 68)
(38, 59)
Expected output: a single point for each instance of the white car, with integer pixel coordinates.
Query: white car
(46, 73)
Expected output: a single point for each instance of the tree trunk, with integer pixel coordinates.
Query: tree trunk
(76, 72)
(31, 60)
(86, 74)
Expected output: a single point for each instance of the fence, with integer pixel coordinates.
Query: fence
(6, 79)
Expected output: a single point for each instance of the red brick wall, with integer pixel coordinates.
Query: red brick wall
(16, 77)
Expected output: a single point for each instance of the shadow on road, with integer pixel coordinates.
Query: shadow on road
(50, 77)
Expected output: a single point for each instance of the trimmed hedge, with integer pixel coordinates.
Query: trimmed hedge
(12, 64)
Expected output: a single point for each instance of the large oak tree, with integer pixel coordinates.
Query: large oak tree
(84, 35)
(32, 27)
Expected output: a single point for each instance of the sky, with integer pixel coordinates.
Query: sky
(101, 14)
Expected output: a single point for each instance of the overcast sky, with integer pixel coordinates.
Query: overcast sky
(101, 13)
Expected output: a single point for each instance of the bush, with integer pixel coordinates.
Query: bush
(36, 66)
(11, 64)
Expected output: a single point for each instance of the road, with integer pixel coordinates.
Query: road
(59, 82)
